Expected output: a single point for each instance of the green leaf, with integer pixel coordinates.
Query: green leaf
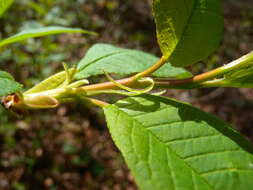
(238, 73)
(242, 77)
(6, 75)
(188, 31)
(39, 32)
(243, 81)
(52, 82)
(7, 84)
(171, 145)
(107, 58)
(4, 5)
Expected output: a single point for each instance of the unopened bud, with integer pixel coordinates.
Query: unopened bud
(40, 102)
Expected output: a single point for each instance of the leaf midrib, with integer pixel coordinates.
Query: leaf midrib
(194, 8)
(100, 58)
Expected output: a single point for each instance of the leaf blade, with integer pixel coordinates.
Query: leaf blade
(39, 32)
(188, 31)
(4, 5)
(104, 57)
(7, 84)
(217, 155)
(53, 82)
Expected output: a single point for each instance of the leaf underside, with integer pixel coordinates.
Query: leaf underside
(7, 84)
(188, 30)
(171, 145)
(104, 57)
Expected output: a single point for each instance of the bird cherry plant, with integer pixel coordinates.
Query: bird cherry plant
(166, 143)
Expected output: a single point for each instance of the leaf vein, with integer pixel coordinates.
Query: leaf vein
(143, 113)
(211, 172)
(210, 153)
(100, 58)
(162, 124)
(170, 168)
(191, 138)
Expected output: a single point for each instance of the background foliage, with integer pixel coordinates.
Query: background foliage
(82, 156)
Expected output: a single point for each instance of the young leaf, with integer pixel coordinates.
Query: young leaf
(7, 84)
(4, 5)
(240, 79)
(171, 145)
(238, 73)
(107, 58)
(188, 31)
(50, 83)
(243, 79)
(39, 32)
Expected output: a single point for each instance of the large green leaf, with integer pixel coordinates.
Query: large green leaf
(171, 145)
(4, 5)
(7, 84)
(39, 32)
(188, 30)
(104, 57)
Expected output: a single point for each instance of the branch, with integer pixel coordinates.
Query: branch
(202, 80)
(131, 81)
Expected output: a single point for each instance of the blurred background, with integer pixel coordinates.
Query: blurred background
(69, 148)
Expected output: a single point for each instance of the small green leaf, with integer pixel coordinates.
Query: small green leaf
(107, 58)
(4, 5)
(238, 73)
(39, 32)
(241, 77)
(172, 145)
(188, 30)
(6, 75)
(55, 81)
(8, 85)
(243, 81)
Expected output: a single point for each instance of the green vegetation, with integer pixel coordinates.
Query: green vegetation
(171, 145)
(167, 144)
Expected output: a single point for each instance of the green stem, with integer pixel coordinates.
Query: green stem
(131, 81)
(152, 69)
(52, 98)
(96, 102)
(237, 64)
(201, 79)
